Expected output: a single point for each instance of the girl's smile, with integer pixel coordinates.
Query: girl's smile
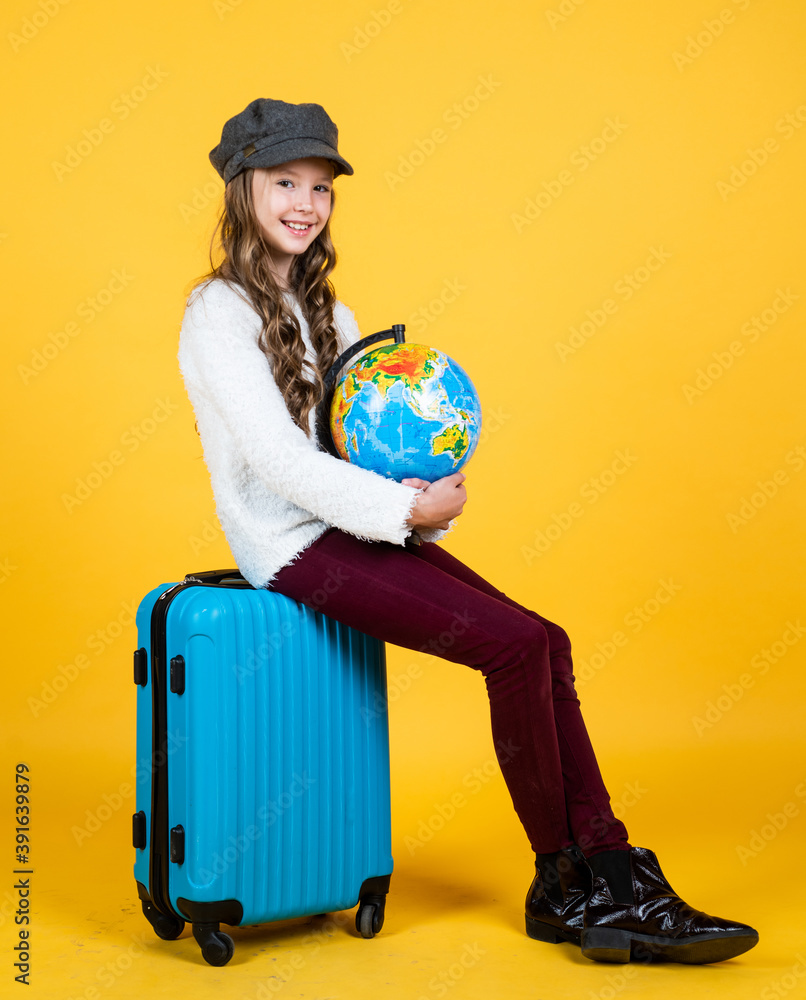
(292, 205)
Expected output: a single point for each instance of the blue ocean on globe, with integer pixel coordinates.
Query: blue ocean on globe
(406, 411)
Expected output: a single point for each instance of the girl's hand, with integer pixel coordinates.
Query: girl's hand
(440, 502)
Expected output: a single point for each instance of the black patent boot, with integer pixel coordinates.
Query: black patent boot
(633, 912)
(556, 901)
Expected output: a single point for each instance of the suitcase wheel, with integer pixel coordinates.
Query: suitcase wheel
(167, 927)
(369, 918)
(216, 948)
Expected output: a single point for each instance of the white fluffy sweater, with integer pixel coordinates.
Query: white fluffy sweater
(275, 489)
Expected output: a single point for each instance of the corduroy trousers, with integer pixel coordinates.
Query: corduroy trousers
(421, 597)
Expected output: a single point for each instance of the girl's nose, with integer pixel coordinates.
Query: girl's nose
(304, 202)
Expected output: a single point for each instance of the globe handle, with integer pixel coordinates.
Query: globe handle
(396, 333)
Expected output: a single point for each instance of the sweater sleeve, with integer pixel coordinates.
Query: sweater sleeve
(222, 363)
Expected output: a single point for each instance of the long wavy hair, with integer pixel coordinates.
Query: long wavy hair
(245, 258)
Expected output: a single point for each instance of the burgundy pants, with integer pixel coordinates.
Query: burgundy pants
(421, 597)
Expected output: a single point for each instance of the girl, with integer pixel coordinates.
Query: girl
(260, 330)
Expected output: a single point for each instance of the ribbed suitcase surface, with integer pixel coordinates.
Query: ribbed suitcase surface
(269, 792)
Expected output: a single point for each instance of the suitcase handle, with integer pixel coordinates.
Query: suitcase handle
(396, 333)
(215, 577)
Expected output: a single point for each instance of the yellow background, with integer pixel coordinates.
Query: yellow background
(520, 91)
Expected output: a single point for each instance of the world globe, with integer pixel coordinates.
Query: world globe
(405, 411)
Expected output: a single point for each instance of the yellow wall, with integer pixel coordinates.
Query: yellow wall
(597, 209)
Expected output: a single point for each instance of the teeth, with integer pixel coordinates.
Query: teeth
(297, 225)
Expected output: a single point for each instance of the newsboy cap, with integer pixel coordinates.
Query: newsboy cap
(267, 133)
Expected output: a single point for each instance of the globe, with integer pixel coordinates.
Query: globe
(405, 411)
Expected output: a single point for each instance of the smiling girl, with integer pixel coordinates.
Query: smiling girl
(259, 333)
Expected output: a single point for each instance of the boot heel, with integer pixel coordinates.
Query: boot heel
(605, 944)
(542, 932)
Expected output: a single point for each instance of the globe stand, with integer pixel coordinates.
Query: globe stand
(397, 333)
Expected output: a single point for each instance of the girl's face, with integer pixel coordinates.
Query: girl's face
(292, 204)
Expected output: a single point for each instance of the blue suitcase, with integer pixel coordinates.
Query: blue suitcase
(262, 762)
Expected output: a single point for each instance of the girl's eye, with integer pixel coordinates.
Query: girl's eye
(323, 188)
(284, 181)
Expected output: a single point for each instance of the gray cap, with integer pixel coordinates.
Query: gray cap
(267, 133)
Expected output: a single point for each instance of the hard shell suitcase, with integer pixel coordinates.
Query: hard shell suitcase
(262, 762)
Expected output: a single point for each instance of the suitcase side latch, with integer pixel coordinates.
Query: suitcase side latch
(178, 845)
(141, 666)
(178, 674)
(139, 837)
